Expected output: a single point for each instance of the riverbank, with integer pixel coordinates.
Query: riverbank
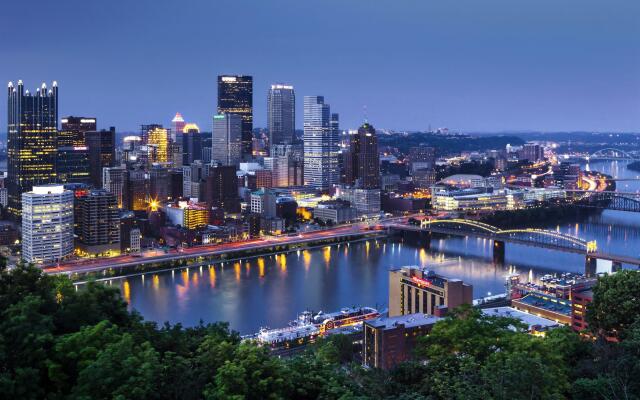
(539, 217)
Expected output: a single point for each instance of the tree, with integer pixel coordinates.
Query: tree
(616, 303)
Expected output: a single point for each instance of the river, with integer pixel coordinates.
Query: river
(270, 291)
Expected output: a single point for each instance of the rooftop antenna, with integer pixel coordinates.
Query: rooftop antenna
(364, 111)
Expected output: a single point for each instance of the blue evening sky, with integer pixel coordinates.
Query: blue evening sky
(472, 65)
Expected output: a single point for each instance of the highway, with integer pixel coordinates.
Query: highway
(154, 256)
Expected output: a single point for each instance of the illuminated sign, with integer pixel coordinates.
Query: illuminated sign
(228, 79)
(218, 117)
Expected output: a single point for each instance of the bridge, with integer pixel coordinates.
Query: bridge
(611, 154)
(528, 237)
(620, 201)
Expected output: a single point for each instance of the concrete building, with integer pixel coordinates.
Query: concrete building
(413, 289)
(362, 161)
(98, 224)
(335, 212)
(47, 224)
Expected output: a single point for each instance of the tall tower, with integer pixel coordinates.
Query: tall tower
(32, 131)
(321, 144)
(281, 114)
(72, 164)
(102, 153)
(226, 139)
(235, 96)
(362, 162)
(177, 125)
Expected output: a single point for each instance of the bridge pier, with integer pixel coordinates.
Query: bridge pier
(498, 252)
(590, 266)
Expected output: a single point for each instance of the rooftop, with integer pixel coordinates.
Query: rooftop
(529, 319)
(409, 321)
(548, 303)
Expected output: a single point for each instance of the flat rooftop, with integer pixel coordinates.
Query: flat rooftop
(548, 303)
(409, 321)
(529, 319)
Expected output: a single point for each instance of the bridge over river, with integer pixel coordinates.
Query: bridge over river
(542, 238)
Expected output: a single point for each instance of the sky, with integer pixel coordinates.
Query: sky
(470, 65)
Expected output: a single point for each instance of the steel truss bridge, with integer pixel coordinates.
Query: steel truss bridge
(612, 154)
(620, 201)
(528, 237)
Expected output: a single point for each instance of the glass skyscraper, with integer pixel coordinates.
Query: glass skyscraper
(321, 144)
(32, 131)
(226, 139)
(235, 96)
(281, 114)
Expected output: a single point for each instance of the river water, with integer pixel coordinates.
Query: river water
(270, 291)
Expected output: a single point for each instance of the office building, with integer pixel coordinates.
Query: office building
(227, 139)
(73, 130)
(531, 152)
(157, 140)
(235, 96)
(114, 181)
(422, 157)
(191, 140)
(177, 126)
(281, 114)
(413, 289)
(362, 163)
(335, 212)
(321, 144)
(102, 153)
(98, 224)
(279, 167)
(221, 189)
(47, 224)
(137, 190)
(158, 184)
(388, 341)
(31, 141)
(366, 201)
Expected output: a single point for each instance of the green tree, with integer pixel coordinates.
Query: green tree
(616, 302)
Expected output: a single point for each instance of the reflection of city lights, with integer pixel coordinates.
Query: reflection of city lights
(126, 291)
(261, 266)
(306, 257)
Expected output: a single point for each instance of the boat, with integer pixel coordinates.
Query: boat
(344, 317)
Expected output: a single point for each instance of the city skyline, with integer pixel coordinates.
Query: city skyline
(445, 65)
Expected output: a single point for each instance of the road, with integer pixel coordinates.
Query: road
(93, 265)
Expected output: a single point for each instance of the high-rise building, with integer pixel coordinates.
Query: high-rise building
(98, 224)
(157, 140)
(102, 152)
(279, 167)
(227, 139)
(137, 190)
(73, 130)
(321, 144)
(31, 140)
(422, 157)
(413, 289)
(114, 181)
(72, 163)
(281, 114)
(191, 144)
(362, 159)
(159, 184)
(221, 190)
(47, 224)
(177, 126)
(235, 96)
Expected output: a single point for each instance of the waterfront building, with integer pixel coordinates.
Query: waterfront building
(114, 181)
(546, 306)
(32, 129)
(221, 189)
(413, 289)
(47, 224)
(281, 114)
(98, 224)
(227, 139)
(366, 201)
(102, 153)
(444, 199)
(335, 212)
(235, 96)
(389, 341)
(321, 144)
(362, 161)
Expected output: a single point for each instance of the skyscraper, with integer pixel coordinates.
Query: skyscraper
(114, 181)
(47, 224)
(72, 162)
(281, 114)
(157, 140)
(227, 139)
(235, 96)
(32, 134)
(102, 153)
(177, 126)
(98, 223)
(191, 143)
(362, 162)
(321, 144)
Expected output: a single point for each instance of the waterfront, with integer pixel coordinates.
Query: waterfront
(270, 291)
